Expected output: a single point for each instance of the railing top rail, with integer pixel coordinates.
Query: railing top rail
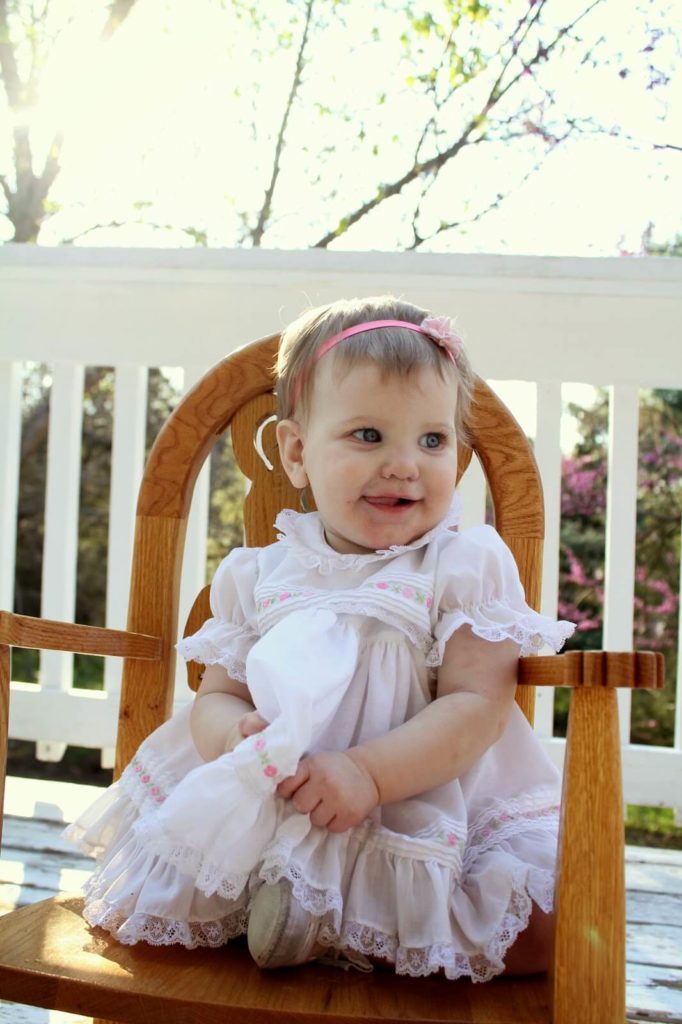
(528, 318)
(564, 272)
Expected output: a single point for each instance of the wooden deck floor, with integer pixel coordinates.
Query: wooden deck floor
(36, 863)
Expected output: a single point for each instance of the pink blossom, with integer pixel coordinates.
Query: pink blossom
(382, 585)
(145, 778)
(270, 771)
(283, 597)
(260, 743)
(408, 592)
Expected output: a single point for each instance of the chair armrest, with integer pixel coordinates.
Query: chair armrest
(641, 670)
(50, 635)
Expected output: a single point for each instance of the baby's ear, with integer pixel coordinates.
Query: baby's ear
(290, 442)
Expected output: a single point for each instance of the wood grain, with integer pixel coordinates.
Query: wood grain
(200, 418)
(508, 465)
(50, 635)
(147, 687)
(87, 972)
(641, 670)
(589, 956)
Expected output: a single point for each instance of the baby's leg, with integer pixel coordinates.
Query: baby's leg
(532, 951)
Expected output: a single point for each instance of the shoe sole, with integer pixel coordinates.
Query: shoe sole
(267, 921)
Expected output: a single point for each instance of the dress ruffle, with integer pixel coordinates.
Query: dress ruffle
(430, 918)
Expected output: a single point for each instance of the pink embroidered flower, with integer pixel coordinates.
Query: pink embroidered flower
(260, 743)
(429, 602)
(270, 771)
(440, 330)
(145, 779)
(266, 602)
(154, 791)
(382, 585)
(283, 597)
(408, 592)
(452, 839)
(138, 768)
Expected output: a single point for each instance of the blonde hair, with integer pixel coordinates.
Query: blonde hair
(395, 350)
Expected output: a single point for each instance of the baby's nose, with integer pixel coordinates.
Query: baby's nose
(401, 464)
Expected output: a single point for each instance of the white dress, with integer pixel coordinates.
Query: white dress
(349, 650)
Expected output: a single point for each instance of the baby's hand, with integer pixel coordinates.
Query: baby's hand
(247, 725)
(251, 723)
(336, 791)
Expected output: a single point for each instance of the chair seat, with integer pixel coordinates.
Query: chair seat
(48, 950)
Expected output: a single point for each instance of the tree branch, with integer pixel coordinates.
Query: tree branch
(8, 63)
(493, 205)
(266, 209)
(5, 188)
(118, 12)
(497, 92)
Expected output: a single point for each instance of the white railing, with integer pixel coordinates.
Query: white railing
(543, 320)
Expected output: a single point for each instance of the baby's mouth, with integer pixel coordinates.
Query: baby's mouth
(389, 501)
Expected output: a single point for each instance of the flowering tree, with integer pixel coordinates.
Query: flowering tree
(659, 513)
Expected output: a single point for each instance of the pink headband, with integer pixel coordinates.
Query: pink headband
(437, 328)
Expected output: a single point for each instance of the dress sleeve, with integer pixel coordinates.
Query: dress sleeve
(227, 637)
(477, 583)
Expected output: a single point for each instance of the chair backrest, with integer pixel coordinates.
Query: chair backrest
(237, 393)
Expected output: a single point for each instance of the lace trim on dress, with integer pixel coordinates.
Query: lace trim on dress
(207, 876)
(508, 820)
(303, 534)
(529, 633)
(529, 885)
(161, 931)
(203, 650)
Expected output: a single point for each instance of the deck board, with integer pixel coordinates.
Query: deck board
(36, 863)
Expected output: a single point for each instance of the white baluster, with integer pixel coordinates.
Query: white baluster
(621, 531)
(10, 452)
(60, 551)
(547, 450)
(127, 458)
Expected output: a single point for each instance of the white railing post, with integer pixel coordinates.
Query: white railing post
(60, 551)
(127, 458)
(621, 531)
(10, 454)
(193, 577)
(472, 490)
(547, 450)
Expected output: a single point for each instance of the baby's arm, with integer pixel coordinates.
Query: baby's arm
(476, 685)
(222, 714)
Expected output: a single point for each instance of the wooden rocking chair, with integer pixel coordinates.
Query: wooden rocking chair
(50, 958)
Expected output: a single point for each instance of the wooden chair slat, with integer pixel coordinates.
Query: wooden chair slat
(85, 971)
(51, 635)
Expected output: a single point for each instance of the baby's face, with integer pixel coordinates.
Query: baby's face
(379, 453)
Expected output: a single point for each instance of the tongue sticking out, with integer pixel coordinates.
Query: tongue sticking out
(389, 502)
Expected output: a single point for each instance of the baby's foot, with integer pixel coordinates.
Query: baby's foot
(281, 933)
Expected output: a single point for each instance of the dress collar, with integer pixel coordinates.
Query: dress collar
(303, 534)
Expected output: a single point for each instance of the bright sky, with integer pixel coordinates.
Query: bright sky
(152, 117)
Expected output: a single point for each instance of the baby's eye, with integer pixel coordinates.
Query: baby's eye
(367, 434)
(432, 440)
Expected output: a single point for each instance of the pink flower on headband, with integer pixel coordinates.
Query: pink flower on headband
(440, 330)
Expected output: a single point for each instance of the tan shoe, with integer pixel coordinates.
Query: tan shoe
(281, 933)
